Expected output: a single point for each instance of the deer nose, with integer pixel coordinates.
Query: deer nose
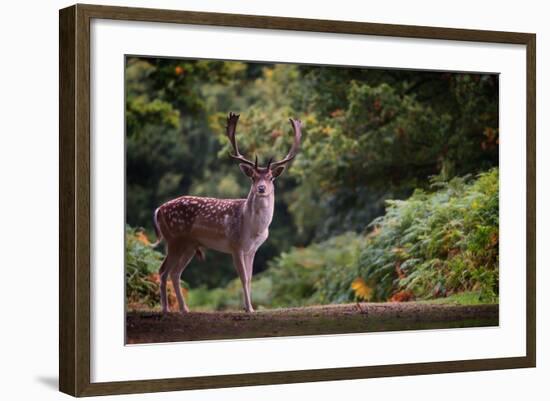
(261, 189)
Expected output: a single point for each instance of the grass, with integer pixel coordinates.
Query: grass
(463, 298)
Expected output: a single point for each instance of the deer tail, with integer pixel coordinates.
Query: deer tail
(157, 229)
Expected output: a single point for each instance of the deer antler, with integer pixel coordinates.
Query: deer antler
(297, 128)
(231, 128)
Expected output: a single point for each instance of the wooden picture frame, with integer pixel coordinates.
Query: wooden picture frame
(74, 204)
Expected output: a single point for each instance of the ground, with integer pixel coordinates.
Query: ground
(151, 327)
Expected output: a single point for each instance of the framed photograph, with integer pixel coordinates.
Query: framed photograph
(250, 200)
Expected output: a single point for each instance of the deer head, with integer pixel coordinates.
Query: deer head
(262, 177)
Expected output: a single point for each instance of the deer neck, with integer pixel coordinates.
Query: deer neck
(258, 212)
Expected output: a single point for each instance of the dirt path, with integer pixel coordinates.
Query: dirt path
(151, 327)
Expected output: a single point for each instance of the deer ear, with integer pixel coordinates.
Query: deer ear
(247, 170)
(277, 171)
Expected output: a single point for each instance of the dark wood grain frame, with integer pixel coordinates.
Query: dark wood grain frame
(74, 199)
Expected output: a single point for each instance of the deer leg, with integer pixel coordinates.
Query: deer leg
(165, 268)
(240, 266)
(249, 263)
(175, 276)
(163, 274)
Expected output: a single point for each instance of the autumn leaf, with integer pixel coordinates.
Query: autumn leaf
(141, 237)
(361, 289)
(402, 296)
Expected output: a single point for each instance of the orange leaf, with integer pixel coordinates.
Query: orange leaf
(141, 237)
(402, 296)
(361, 289)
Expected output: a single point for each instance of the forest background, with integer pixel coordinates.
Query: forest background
(393, 197)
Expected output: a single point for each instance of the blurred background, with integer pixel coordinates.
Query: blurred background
(393, 196)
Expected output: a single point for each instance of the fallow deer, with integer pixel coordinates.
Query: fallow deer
(234, 226)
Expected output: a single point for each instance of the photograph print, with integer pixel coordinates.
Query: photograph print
(278, 199)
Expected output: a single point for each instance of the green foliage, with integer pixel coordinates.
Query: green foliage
(437, 244)
(380, 135)
(461, 298)
(142, 263)
(230, 297)
(317, 274)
